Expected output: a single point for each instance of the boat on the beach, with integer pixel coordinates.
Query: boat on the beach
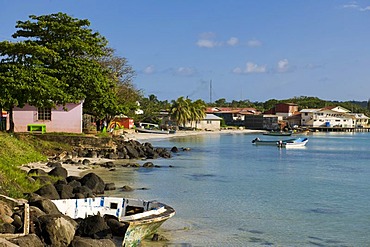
(278, 133)
(142, 217)
(288, 143)
(155, 131)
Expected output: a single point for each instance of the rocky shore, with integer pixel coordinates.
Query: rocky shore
(62, 179)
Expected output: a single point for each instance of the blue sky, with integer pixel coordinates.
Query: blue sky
(255, 50)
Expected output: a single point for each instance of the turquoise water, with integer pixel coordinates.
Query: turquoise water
(228, 192)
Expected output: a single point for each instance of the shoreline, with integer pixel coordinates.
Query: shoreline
(80, 169)
(181, 133)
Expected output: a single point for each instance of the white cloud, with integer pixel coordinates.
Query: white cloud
(207, 43)
(184, 71)
(283, 66)
(149, 70)
(254, 43)
(250, 68)
(367, 8)
(352, 5)
(233, 41)
(356, 6)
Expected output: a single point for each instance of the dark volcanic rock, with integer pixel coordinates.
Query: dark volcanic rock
(56, 230)
(110, 186)
(94, 227)
(48, 191)
(65, 191)
(88, 242)
(59, 172)
(94, 182)
(30, 240)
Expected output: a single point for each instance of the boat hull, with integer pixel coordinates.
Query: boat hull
(150, 216)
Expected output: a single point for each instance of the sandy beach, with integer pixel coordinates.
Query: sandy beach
(147, 136)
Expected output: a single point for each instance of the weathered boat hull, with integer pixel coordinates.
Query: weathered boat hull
(149, 217)
(136, 230)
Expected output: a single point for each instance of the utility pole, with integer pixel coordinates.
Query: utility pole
(210, 91)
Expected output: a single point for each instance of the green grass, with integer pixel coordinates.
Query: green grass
(17, 150)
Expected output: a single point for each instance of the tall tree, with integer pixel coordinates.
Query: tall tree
(197, 111)
(180, 111)
(24, 78)
(62, 55)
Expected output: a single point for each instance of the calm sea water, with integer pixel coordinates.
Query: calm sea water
(228, 192)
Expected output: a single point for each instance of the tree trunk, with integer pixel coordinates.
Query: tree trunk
(11, 120)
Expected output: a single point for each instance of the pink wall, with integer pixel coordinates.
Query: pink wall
(69, 121)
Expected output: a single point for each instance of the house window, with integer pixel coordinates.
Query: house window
(209, 122)
(44, 114)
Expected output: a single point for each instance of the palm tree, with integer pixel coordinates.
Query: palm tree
(184, 111)
(180, 111)
(197, 110)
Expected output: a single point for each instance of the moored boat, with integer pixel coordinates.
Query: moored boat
(258, 141)
(288, 143)
(142, 217)
(278, 133)
(299, 142)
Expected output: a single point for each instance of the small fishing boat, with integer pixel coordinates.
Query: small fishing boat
(142, 217)
(299, 142)
(288, 143)
(258, 141)
(278, 133)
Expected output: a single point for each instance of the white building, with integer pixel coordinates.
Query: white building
(209, 122)
(332, 117)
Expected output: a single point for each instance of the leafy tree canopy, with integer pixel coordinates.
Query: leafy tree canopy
(57, 60)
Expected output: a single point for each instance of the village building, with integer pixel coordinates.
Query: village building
(334, 116)
(210, 122)
(66, 118)
(283, 109)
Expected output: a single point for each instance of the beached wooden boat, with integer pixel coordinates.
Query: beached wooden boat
(155, 131)
(288, 143)
(278, 133)
(142, 217)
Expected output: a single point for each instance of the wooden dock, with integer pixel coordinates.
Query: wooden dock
(340, 129)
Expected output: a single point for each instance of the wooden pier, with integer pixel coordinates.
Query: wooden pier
(340, 129)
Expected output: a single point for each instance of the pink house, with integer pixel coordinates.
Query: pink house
(67, 119)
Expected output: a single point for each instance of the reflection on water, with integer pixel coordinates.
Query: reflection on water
(227, 192)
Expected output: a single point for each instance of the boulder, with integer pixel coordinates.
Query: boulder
(6, 243)
(37, 171)
(30, 240)
(54, 164)
(94, 182)
(94, 227)
(59, 172)
(65, 191)
(84, 191)
(127, 188)
(48, 191)
(46, 205)
(56, 230)
(110, 186)
(132, 152)
(88, 242)
(74, 184)
(148, 164)
(7, 228)
(118, 228)
(174, 149)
